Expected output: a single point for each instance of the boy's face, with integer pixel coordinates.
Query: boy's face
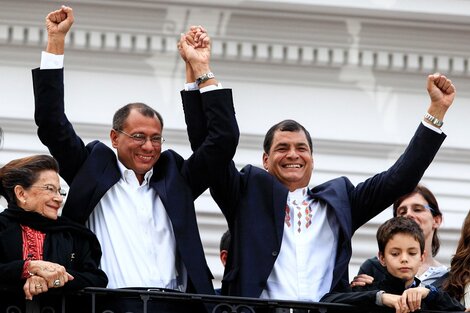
(402, 257)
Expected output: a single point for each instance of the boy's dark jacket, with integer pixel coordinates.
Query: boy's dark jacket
(366, 296)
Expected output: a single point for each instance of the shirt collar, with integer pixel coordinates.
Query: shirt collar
(129, 175)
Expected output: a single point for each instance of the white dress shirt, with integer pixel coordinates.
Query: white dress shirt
(136, 235)
(304, 267)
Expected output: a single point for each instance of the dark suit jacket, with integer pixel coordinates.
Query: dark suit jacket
(253, 203)
(90, 170)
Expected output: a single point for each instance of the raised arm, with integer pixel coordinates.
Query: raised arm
(209, 114)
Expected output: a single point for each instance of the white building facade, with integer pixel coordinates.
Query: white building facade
(352, 72)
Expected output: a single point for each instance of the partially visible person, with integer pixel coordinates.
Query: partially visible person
(1, 138)
(401, 252)
(1, 146)
(40, 252)
(421, 206)
(223, 253)
(458, 282)
(224, 247)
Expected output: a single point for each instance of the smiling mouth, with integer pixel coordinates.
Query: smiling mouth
(293, 166)
(145, 158)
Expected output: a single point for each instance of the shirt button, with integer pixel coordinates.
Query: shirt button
(275, 253)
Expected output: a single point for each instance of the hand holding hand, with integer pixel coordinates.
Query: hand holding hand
(412, 297)
(395, 301)
(195, 49)
(33, 286)
(54, 274)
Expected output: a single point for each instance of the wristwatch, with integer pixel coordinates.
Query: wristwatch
(434, 120)
(204, 77)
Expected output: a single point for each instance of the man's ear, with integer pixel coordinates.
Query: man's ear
(113, 135)
(265, 160)
(381, 258)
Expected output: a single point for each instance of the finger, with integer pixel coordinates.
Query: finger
(26, 289)
(440, 81)
(450, 90)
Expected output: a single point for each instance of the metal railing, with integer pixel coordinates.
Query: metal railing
(105, 300)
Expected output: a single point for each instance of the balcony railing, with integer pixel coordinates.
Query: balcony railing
(104, 300)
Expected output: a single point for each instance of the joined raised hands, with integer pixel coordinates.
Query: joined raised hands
(195, 48)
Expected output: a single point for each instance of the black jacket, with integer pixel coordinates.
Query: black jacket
(66, 243)
(366, 296)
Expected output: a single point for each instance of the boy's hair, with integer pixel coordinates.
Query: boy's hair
(399, 225)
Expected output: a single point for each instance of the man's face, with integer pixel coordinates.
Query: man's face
(138, 157)
(402, 257)
(290, 159)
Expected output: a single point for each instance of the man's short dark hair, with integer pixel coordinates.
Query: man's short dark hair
(399, 225)
(120, 117)
(225, 241)
(285, 126)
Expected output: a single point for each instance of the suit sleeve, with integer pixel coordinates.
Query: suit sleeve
(378, 192)
(364, 298)
(213, 132)
(54, 129)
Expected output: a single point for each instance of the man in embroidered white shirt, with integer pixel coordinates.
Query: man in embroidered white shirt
(292, 242)
(140, 204)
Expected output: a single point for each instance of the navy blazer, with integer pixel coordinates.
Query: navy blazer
(253, 202)
(90, 170)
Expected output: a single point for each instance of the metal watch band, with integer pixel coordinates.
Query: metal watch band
(204, 77)
(434, 120)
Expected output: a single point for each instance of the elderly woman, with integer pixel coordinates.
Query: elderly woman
(421, 206)
(41, 254)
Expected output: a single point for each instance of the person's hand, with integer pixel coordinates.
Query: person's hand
(33, 286)
(195, 48)
(440, 89)
(58, 23)
(55, 274)
(395, 301)
(194, 37)
(361, 280)
(412, 297)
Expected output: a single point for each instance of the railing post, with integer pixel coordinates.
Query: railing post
(32, 307)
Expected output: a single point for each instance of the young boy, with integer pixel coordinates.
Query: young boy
(401, 252)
